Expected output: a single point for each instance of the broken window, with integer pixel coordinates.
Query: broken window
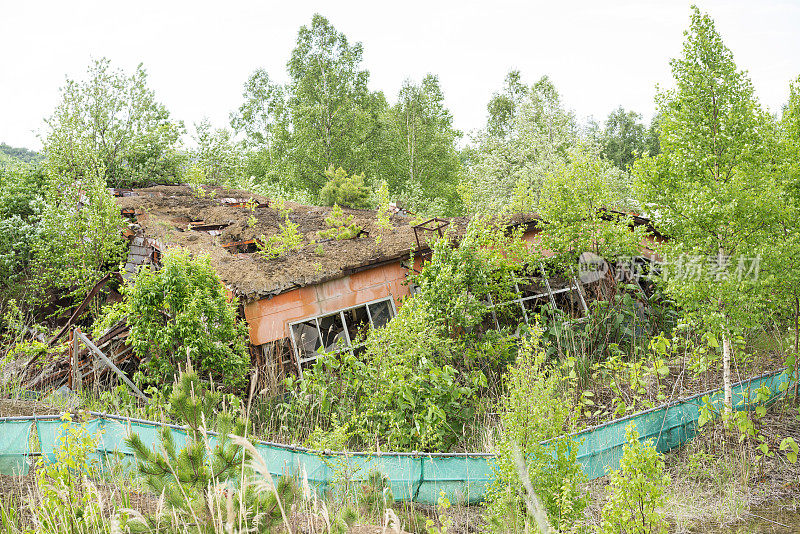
(380, 312)
(358, 324)
(342, 329)
(538, 295)
(306, 339)
(332, 331)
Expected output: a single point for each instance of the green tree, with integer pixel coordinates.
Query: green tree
(504, 106)
(79, 236)
(21, 205)
(264, 123)
(575, 201)
(111, 126)
(218, 159)
(783, 257)
(708, 188)
(539, 136)
(623, 137)
(206, 483)
(532, 412)
(419, 159)
(20, 154)
(182, 312)
(637, 490)
(334, 114)
(326, 116)
(341, 189)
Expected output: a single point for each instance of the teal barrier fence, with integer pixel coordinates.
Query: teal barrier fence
(414, 476)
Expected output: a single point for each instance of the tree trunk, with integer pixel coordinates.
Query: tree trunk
(796, 343)
(726, 342)
(726, 371)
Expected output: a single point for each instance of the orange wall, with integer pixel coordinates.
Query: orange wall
(269, 319)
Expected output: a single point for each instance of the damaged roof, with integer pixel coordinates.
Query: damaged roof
(221, 224)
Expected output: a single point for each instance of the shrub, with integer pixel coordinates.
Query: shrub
(637, 490)
(68, 501)
(344, 190)
(532, 412)
(208, 475)
(287, 239)
(182, 311)
(339, 226)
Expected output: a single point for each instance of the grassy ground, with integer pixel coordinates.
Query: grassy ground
(719, 483)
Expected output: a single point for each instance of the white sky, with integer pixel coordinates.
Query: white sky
(600, 54)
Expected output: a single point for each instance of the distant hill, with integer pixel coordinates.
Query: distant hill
(20, 154)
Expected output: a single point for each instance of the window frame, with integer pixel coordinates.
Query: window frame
(549, 293)
(299, 360)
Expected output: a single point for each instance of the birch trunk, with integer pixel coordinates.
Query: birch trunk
(726, 342)
(726, 372)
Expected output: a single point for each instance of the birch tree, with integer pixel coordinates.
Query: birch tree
(528, 136)
(110, 126)
(419, 159)
(709, 189)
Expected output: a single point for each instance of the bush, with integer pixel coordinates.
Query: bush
(344, 190)
(532, 412)
(637, 490)
(399, 392)
(209, 475)
(183, 312)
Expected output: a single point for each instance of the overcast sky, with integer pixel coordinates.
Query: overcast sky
(600, 54)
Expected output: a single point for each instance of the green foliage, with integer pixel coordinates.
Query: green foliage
(458, 279)
(20, 154)
(383, 213)
(79, 237)
(209, 473)
(182, 312)
(111, 127)
(414, 383)
(21, 204)
(325, 117)
(574, 201)
(69, 501)
(519, 147)
(445, 521)
(403, 400)
(286, 240)
(531, 412)
(341, 189)
(624, 138)
(339, 226)
(710, 187)
(637, 491)
(219, 161)
(418, 155)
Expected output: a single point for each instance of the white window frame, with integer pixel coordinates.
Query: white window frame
(550, 293)
(295, 347)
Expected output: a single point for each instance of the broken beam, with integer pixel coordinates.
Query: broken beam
(108, 362)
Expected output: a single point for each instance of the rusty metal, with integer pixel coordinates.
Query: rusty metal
(431, 225)
(244, 203)
(211, 229)
(246, 246)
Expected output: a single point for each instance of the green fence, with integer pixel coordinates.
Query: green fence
(414, 476)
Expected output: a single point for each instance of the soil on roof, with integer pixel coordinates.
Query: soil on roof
(164, 213)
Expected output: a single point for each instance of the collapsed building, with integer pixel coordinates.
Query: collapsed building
(325, 293)
(328, 291)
